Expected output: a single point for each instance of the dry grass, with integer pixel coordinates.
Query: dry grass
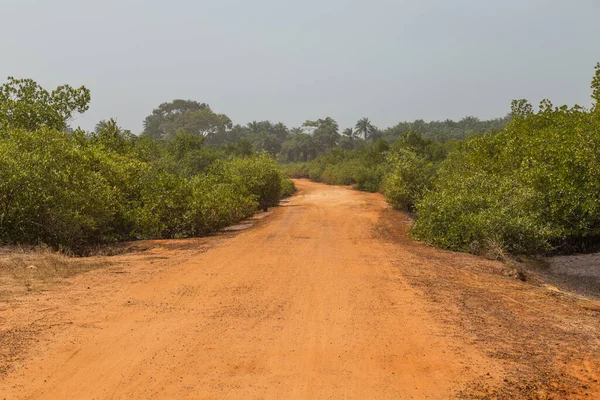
(24, 270)
(493, 249)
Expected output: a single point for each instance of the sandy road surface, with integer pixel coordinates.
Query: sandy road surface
(326, 298)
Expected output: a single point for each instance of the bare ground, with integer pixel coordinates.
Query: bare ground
(325, 298)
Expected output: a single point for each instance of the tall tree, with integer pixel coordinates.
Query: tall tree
(299, 147)
(280, 131)
(191, 116)
(596, 88)
(112, 136)
(157, 124)
(296, 131)
(325, 131)
(25, 104)
(349, 133)
(365, 127)
(265, 135)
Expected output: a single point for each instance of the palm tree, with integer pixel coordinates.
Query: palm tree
(254, 126)
(300, 147)
(280, 131)
(308, 147)
(349, 133)
(365, 127)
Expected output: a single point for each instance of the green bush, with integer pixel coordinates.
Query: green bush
(160, 205)
(215, 204)
(287, 187)
(364, 168)
(340, 174)
(54, 191)
(258, 175)
(409, 177)
(296, 170)
(533, 187)
(369, 179)
(71, 190)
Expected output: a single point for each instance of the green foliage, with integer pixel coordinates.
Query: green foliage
(287, 187)
(55, 191)
(410, 161)
(26, 105)
(111, 136)
(215, 204)
(299, 147)
(325, 132)
(364, 168)
(596, 88)
(186, 155)
(528, 182)
(259, 176)
(533, 187)
(409, 177)
(296, 170)
(185, 115)
(365, 128)
(445, 130)
(160, 204)
(73, 190)
(68, 190)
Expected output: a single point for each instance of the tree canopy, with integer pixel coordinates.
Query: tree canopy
(25, 104)
(191, 116)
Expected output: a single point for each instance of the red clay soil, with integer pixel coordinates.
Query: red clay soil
(324, 299)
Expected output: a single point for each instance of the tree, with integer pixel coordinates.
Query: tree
(266, 136)
(156, 124)
(300, 147)
(596, 87)
(296, 131)
(257, 127)
(242, 148)
(188, 115)
(365, 128)
(420, 126)
(203, 123)
(349, 133)
(325, 131)
(25, 104)
(112, 136)
(280, 131)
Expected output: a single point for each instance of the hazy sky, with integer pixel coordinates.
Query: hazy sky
(295, 60)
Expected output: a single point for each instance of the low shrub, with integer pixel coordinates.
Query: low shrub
(296, 170)
(410, 175)
(54, 192)
(258, 175)
(533, 187)
(73, 190)
(215, 204)
(287, 187)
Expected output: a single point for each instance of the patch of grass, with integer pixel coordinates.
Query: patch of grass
(25, 270)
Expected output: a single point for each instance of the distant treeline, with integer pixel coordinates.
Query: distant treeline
(531, 187)
(302, 143)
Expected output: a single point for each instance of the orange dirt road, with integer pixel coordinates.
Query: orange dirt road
(317, 301)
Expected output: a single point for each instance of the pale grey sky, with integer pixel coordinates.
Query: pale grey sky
(291, 61)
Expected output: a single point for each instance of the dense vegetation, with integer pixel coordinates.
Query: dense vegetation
(525, 183)
(532, 187)
(402, 170)
(73, 189)
(300, 144)
(529, 187)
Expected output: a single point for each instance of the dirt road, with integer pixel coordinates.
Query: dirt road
(326, 298)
